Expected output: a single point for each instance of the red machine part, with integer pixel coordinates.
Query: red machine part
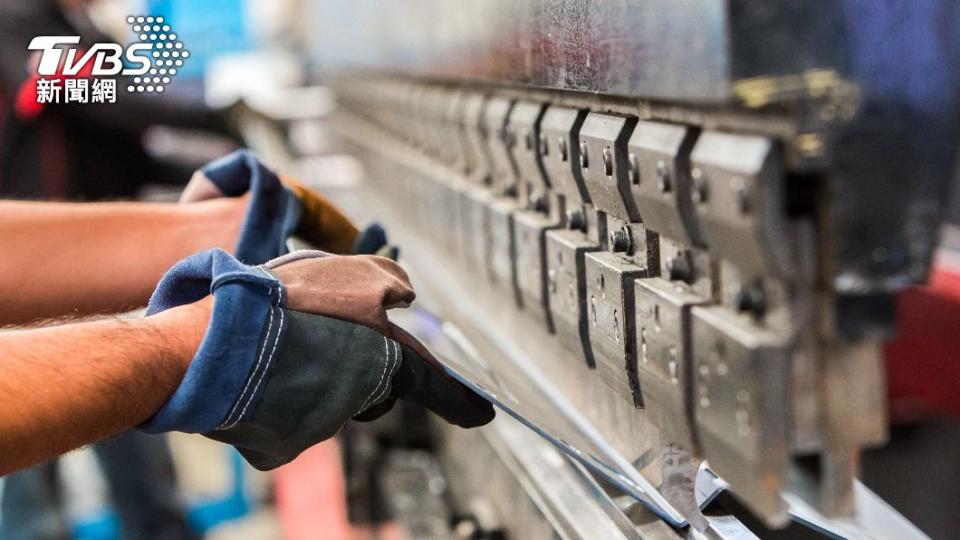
(923, 362)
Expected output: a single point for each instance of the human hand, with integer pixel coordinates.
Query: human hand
(279, 207)
(297, 347)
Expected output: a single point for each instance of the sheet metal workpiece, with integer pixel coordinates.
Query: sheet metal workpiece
(603, 163)
(738, 189)
(741, 380)
(610, 303)
(663, 357)
(658, 168)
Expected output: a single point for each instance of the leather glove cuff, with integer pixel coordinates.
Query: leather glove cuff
(245, 328)
(273, 213)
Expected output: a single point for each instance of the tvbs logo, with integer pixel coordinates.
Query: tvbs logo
(149, 64)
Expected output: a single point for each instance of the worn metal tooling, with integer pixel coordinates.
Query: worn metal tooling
(688, 218)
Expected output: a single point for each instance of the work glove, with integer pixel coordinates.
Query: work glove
(297, 347)
(279, 207)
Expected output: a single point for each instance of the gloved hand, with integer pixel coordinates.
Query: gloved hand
(297, 347)
(279, 208)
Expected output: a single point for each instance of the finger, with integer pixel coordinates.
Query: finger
(423, 382)
(200, 188)
(370, 240)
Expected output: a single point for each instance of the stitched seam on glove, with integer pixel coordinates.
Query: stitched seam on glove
(393, 367)
(223, 377)
(256, 374)
(390, 365)
(232, 418)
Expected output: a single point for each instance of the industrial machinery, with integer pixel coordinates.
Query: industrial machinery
(682, 223)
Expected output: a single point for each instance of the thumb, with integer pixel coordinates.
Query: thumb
(422, 380)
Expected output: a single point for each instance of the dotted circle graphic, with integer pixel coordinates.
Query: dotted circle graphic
(168, 51)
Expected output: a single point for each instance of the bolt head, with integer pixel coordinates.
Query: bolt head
(584, 157)
(633, 168)
(741, 195)
(619, 240)
(608, 161)
(751, 299)
(699, 188)
(539, 202)
(575, 220)
(663, 176)
(563, 150)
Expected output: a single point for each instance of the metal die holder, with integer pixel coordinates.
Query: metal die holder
(530, 229)
(503, 171)
(477, 155)
(737, 186)
(444, 194)
(658, 168)
(566, 288)
(663, 357)
(603, 162)
(501, 259)
(559, 148)
(474, 201)
(453, 119)
(610, 305)
(523, 129)
(741, 389)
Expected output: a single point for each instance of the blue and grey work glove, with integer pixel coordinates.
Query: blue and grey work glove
(296, 348)
(279, 207)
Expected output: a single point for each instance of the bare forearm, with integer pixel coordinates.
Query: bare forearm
(67, 386)
(76, 259)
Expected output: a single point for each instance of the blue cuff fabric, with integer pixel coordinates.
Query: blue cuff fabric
(237, 350)
(273, 213)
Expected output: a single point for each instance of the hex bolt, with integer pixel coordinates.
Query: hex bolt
(699, 189)
(751, 299)
(538, 202)
(620, 240)
(663, 176)
(633, 168)
(741, 196)
(584, 159)
(544, 145)
(608, 161)
(562, 147)
(575, 220)
(678, 268)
